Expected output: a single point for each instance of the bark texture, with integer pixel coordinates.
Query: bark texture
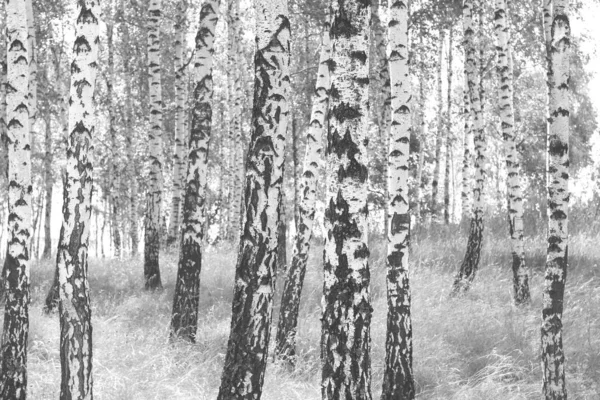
(470, 264)
(553, 357)
(292, 289)
(515, 193)
(255, 276)
(179, 159)
(439, 135)
(448, 132)
(184, 319)
(398, 381)
(72, 254)
(154, 193)
(467, 156)
(346, 319)
(13, 376)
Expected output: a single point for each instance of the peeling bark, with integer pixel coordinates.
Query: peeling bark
(470, 264)
(13, 376)
(72, 254)
(553, 357)
(346, 318)
(398, 381)
(154, 193)
(287, 328)
(515, 193)
(252, 308)
(184, 318)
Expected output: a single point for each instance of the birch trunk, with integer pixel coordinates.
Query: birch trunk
(515, 193)
(184, 319)
(3, 76)
(467, 157)
(179, 159)
(152, 220)
(72, 257)
(470, 264)
(398, 381)
(290, 302)
(439, 135)
(448, 133)
(553, 358)
(346, 319)
(32, 97)
(13, 378)
(235, 116)
(113, 177)
(48, 186)
(245, 362)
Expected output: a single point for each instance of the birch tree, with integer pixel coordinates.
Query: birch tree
(179, 159)
(346, 318)
(553, 357)
(398, 381)
(448, 131)
(470, 264)
(72, 257)
(439, 136)
(467, 156)
(13, 379)
(515, 193)
(152, 219)
(3, 76)
(245, 361)
(184, 319)
(292, 289)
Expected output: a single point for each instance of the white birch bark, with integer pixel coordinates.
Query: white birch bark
(398, 381)
(553, 357)
(72, 257)
(290, 303)
(252, 308)
(154, 193)
(3, 72)
(181, 137)
(13, 376)
(467, 156)
(439, 133)
(346, 318)
(507, 119)
(31, 38)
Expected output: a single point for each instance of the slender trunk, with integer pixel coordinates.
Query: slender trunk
(398, 381)
(245, 362)
(346, 318)
(72, 255)
(553, 357)
(470, 264)
(179, 161)
(49, 184)
(154, 193)
(467, 157)
(515, 192)
(33, 68)
(13, 376)
(421, 132)
(287, 327)
(114, 151)
(3, 129)
(184, 319)
(448, 133)
(439, 134)
(296, 181)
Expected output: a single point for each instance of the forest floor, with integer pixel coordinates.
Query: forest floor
(478, 346)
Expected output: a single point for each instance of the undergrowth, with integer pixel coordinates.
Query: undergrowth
(478, 346)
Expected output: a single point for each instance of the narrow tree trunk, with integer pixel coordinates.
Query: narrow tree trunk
(287, 327)
(296, 181)
(470, 264)
(155, 187)
(245, 362)
(179, 160)
(3, 129)
(553, 357)
(439, 135)
(515, 193)
(33, 68)
(13, 356)
(49, 184)
(448, 133)
(113, 178)
(467, 157)
(398, 381)
(72, 257)
(346, 319)
(184, 319)
(421, 132)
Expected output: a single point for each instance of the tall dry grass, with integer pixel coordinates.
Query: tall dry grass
(475, 347)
